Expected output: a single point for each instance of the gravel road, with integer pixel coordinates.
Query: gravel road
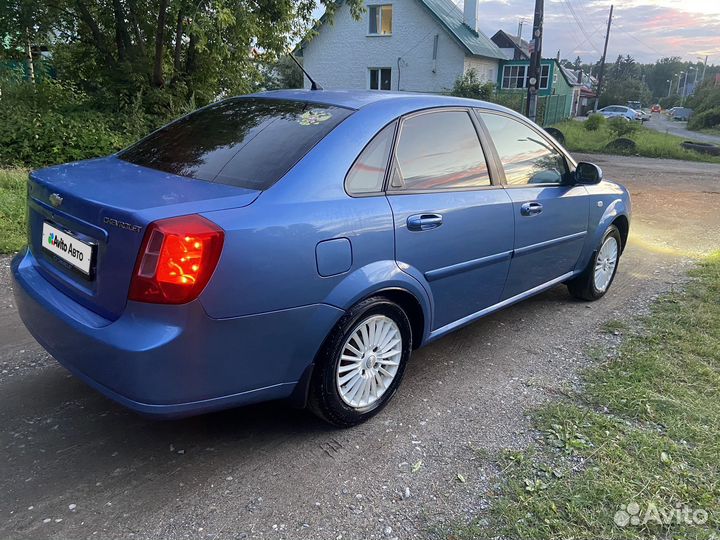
(660, 122)
(74, 465)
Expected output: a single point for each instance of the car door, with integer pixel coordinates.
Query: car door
(550, 211)
(453, 225)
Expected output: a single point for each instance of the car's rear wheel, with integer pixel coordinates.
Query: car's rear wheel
(595, 281)
(362, 363)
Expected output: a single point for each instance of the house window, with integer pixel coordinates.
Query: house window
(380, 20)
(514, 76)
(380, 78)
(544, 76)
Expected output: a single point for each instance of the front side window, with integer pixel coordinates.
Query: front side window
(526, 156)
(439, 150)
(514, 77)
(368, 172)
(380, 19)
(244, 142)
(380, 78)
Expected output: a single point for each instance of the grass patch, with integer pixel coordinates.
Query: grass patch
(645, 432)
(650, 143)
(12, 209)
(710, 131)
(614, 326)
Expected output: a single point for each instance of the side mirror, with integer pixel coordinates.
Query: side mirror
(588, 173)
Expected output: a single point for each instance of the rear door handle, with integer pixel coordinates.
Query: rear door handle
(424, 222)
(531, 209)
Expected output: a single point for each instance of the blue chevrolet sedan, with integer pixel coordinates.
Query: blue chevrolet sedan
(300, 244)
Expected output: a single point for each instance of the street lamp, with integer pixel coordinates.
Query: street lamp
(702, 78)
(684, 92)
(677, 91)
(669, 81)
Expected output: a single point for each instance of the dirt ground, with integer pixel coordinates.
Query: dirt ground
(75, 465)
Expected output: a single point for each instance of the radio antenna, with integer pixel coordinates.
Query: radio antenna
(313, 84)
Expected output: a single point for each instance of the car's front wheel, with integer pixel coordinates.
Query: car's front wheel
(362, 363)
(595, 281)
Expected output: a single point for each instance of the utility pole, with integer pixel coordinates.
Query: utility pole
(704, 68)
(602, 62)
(677, 90)
(533, 82)
(670, 85)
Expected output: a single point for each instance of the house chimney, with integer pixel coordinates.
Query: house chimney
(470, 14)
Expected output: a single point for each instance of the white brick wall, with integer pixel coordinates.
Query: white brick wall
(486, 68)
(340, 55)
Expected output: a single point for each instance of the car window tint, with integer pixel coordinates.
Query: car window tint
(439, 150)
(245, 142)
(527, 157)
(368, 172)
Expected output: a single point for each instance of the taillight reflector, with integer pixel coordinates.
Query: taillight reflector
(177, 258)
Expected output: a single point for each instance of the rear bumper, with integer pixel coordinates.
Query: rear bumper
(172, 360)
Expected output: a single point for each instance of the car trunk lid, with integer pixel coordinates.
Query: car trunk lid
(100, 209)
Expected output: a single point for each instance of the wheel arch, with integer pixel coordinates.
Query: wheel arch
(623, 224)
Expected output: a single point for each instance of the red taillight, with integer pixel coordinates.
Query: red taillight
(177, 258)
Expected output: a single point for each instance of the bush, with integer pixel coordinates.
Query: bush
(707, 119)
(594, 122)
(52, 122)
(469, 85)
(620, 127)
(511, 100)
(35, 139)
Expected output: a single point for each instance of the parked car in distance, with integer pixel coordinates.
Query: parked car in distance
(656, 108)
(681, 114)
(300, 245)
(615, 111)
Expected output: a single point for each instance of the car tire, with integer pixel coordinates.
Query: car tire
(356, 350)
(600, 272)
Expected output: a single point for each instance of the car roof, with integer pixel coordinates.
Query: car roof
(357, 99)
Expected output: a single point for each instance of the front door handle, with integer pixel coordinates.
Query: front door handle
(424, 222)
(531, 209)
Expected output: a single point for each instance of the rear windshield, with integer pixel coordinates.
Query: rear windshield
(245, 142)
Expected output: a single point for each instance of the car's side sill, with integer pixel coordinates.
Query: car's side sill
(435, 334)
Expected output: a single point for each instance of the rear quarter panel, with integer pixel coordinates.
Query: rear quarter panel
(269, 257)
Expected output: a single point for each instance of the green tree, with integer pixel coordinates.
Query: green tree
(620, 91)
(163, 52)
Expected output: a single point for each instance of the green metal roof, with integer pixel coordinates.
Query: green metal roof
(449, 15)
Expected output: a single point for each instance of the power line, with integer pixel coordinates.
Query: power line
(648, 47)
(579, 23)
(579, 41)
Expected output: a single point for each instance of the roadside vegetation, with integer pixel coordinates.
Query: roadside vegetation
(636, 453)
(706, 108)
(12, 209)
(597, 135)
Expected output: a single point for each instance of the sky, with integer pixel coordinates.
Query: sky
(644, 29)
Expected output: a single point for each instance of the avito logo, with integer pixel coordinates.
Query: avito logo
(58, 242)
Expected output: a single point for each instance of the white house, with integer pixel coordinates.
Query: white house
(410, 45)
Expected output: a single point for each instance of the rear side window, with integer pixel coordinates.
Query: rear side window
(439, 150)
(368, 172)
(244, 142)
